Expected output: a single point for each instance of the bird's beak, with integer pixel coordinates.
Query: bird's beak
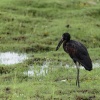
(59, 44)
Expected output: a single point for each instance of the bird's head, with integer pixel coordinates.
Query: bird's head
(65, 37)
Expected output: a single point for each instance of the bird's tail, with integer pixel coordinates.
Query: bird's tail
(87, 63)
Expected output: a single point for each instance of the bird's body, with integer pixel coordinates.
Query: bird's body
(77, 51)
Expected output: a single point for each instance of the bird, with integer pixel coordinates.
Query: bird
(78, 52)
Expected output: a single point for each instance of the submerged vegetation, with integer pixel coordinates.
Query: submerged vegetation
(34, 27)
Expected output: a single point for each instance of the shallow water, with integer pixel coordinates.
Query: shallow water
(95, 65)
(44, 69)
(9, 58)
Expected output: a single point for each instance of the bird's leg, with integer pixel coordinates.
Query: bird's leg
(77, 79)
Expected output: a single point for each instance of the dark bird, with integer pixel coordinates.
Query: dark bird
(78, 52)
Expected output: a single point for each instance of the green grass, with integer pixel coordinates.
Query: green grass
(35, 27)
(51, 87)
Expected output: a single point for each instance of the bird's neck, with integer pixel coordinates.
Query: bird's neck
(66, 41)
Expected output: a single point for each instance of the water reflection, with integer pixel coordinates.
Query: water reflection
(38, 70)
(43, 70)
(95, 65)
(8, 58)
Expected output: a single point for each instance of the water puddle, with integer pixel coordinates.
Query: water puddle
(37, 70)
(95, 65)
(9, 58)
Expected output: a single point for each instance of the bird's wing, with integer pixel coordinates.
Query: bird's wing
(81, 54)
(76, 48)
